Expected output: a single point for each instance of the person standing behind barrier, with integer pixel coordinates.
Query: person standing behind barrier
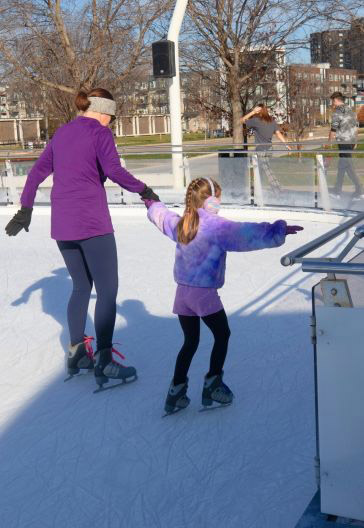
(81, 155)
(264, 126)
(344, 126)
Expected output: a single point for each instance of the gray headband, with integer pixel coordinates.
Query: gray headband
(102, 105)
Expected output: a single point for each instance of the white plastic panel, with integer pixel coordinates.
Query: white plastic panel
(340, 371)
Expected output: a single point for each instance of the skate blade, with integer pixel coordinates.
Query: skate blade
(78, 375)
(214, 407)
(175, 411)
(109, 387)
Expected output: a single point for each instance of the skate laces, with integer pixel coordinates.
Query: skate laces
(89, 350)
(116, 355)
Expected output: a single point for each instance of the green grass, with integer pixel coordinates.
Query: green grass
(200, 151)
(156, 139)
(147, 156)
(332, 154)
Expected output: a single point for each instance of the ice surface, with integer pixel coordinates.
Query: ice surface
(69, 458)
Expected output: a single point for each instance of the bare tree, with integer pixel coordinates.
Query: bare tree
(59, 48)
(202, 97)
(230, 32)
(301, 110)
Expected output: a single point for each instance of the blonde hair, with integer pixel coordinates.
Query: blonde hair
(197, 192)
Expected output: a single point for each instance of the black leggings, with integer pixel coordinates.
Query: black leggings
(219, 326)
(89, 261)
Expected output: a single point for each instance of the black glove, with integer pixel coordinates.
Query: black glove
(21, 220)
(149, 194)
(293, 229)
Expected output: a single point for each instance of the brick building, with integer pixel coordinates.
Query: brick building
(342, 48)
(145, 105)
(311, 85)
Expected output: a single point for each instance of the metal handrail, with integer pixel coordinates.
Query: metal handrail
(347, 268)
(191, 149)
(296, 256)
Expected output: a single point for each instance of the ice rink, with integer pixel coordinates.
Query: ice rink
(71, 458)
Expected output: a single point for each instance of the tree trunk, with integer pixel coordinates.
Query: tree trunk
(237, 112)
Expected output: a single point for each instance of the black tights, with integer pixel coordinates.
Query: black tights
(218, 324)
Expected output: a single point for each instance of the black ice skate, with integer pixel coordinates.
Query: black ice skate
(177, 398)
(107, 368)
(80, 357)
(215, 392)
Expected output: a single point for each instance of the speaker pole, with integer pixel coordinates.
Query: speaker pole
(175, 98)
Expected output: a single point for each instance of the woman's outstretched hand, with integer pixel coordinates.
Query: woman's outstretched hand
(149, 194)
(19, 221)
(293, 229)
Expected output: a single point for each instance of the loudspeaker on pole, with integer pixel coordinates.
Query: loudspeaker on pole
(164, 64)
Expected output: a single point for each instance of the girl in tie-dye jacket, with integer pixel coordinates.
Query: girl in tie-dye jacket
(202, 240)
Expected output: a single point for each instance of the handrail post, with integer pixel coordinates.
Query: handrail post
(11, 185)
(258, 190)
(322, 180)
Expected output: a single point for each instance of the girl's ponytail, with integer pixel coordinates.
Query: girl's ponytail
(188, 225)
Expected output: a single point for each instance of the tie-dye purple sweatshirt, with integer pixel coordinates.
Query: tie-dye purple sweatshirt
(202, 262)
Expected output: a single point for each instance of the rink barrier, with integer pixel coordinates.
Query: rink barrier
(239, 171)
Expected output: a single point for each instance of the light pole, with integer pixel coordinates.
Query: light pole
(175, 98)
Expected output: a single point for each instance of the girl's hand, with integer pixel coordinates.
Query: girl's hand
(293, 229)
(256, 110)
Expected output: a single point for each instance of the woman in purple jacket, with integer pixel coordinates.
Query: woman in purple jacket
(81, 155)
(203, 238)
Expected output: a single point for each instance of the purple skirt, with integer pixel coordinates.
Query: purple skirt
(191, 300)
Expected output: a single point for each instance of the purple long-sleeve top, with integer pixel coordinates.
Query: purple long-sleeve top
(202, 261)
(81, 155)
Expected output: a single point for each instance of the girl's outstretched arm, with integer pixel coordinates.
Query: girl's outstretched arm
(163, 218)
(249, 236)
